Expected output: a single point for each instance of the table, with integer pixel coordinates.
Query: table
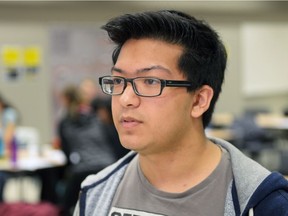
(276, 124)
(222, 120)
(25, 162)
(31, 165)
(272, 121)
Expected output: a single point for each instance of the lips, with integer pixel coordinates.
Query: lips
(129, 122)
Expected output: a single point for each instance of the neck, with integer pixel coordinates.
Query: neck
(182, 169)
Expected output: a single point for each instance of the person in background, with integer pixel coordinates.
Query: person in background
(102, 108)
(71, 101)
(167, 75)
(54, 179)
(88, 92)
(84, 142)
(9, 119)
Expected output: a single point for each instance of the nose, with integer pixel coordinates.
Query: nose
(129, 98)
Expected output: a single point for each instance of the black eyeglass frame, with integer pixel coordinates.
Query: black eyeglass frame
(164, 83)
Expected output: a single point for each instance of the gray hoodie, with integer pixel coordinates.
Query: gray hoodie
(251, 184)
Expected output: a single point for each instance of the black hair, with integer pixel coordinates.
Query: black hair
(101, 102)
(204, 58)
(4, 102)
(72, 95)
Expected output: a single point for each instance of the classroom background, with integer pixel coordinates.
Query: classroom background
(67, 39)
(47, 45)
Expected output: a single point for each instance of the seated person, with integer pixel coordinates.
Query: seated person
(83, 139)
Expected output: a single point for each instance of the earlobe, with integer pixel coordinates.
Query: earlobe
(201, 101)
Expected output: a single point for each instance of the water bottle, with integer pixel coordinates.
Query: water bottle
(14, 149)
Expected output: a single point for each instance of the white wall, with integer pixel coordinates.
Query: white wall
(265, 58)
(30, 96)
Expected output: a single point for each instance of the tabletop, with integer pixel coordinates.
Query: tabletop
(272, 121)
(27, 162)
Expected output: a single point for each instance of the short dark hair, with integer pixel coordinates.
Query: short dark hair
(204, 58)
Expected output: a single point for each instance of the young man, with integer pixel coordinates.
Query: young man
(167, 75)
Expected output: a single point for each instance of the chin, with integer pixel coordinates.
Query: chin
(133, 145)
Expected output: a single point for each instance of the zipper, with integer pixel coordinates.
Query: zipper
(251, 212)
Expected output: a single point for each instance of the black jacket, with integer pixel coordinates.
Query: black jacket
(84, 141)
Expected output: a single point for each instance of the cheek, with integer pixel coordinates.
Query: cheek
(114, 110)
(168, 115)
(175, 113)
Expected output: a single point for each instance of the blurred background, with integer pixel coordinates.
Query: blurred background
(47, 45)
(69, 45)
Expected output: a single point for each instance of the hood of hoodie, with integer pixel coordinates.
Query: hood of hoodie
(247, 174)
(274, 183)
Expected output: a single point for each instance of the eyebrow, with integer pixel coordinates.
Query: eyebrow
(142, 70)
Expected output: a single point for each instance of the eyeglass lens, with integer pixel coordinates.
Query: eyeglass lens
(144, 86)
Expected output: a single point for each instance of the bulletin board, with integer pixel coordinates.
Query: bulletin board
(77, 53)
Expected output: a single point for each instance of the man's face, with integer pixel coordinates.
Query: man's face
(151, 124)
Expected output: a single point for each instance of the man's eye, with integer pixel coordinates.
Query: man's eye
(117, 81)
(151, 81)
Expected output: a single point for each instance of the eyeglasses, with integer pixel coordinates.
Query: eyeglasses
(142, 86)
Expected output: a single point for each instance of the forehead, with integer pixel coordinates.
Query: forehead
(138, 54)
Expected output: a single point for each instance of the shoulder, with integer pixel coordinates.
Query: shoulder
(97, 191)
(275, 203)
(271, 197)
(109, 172)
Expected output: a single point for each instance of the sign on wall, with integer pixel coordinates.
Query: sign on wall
(20, 62)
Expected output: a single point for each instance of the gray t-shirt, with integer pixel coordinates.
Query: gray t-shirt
(136, 196)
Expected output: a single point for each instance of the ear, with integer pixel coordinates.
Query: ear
(201, 101)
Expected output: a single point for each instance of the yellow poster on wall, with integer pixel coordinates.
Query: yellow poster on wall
(11, 56)
(19, 61)
(11, 60)
(32, 60)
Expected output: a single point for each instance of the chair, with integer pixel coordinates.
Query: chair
(250, 137)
